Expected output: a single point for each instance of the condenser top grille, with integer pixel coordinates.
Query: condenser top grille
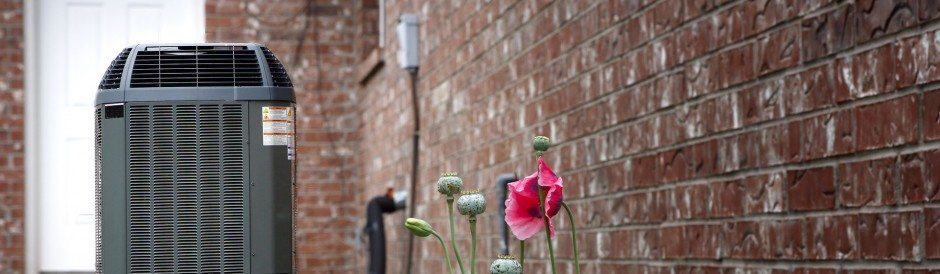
(112, 76)
(198, 71)
(278, 73)
(196, 66)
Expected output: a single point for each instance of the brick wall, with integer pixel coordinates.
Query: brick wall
(316, 41)
(694, 136)
(11, 137)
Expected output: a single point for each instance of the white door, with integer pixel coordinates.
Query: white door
(77, 41)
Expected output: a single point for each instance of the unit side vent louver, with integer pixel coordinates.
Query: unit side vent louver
(112, 76)
(98, 137)
(196, 66)
(278, 73)
(186, 187)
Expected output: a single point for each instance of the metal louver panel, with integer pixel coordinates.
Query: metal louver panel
(196, 66)
(112, 76)
(279, 75)
(98, 262)
(187, 183)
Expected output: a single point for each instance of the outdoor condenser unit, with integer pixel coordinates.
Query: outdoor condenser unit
(194, 158)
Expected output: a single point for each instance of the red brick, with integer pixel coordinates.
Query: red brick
(745, 240)
(832, 237)
(932, 174)
(810, 189)
(879, 18)
(813, 89)
(932, 226)
(750, 150)
(932, 115)
(913, 184)
(702, 77)
(673, 165)
(911, 60)
(868, 182)
(702, 241)
(764, 193)
(738, 65)
(728, 198)
(675, 243)
(729, 26)
(692, 202)
(761, 103)
(892, 236)
(887, 123)
(871, 72)
(828, 32)
(931, 70)
(809, 139)
(776, 145)
(645, 170)
(927, 10)
(843, 127)
(787, 238)
(779, 50)
(761, 15)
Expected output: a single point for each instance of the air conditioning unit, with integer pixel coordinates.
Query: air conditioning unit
(194, 158)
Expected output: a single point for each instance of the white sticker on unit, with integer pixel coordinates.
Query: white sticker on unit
(277, 126)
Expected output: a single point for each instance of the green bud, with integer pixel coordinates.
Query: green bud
(541, 143)
(419, 227)
(449, 184)
(506, 265)
(471, 203)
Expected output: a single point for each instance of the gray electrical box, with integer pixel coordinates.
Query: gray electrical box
(194, 161)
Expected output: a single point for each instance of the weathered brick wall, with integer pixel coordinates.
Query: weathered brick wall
(694, 136)
(12, 243)
(316, 41)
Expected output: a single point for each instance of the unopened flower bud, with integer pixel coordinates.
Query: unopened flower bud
(471, 203)
(419, 227)
(541, 143)
(449, 184)
(506, 265)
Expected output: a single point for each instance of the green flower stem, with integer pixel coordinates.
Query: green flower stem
(453, 232)
(574, 238)
(522, 253)
(450, 267)
(548, 234)
(473, 244)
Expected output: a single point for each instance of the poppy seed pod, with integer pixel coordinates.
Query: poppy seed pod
(471, 203)
(506, 265)
(449, 184)
(541, 143)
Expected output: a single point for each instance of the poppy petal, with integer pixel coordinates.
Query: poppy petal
(519, 217)
(528, 186)
(553, 200)
(547, 177)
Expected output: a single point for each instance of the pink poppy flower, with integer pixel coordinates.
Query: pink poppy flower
(523, 213)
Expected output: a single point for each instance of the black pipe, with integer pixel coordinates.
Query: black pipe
(503, 184)
(416, 138)
(375, 229)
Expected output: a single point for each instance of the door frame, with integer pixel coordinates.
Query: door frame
(31, 134)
